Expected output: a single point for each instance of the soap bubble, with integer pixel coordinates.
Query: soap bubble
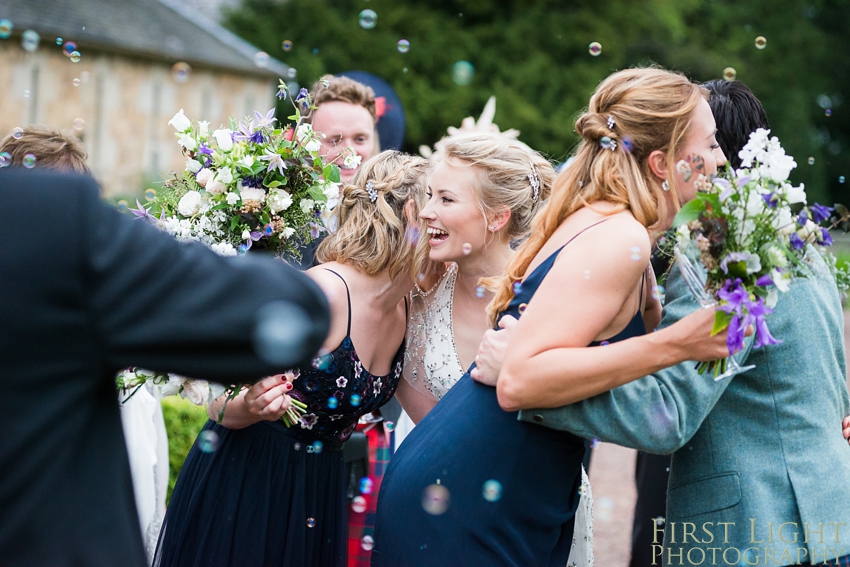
(479, 291)
(29, 161)
(59, 41)
(208, 441)
(317, 447)
(368, 19)
(467, 247)
(389, 426)
(311, 522)
(761, 42)
(403, 46)
(436, 499)
(355, 400)
(76, 82)
(517, 287)
(658, 292)
(811, 161)
(462, 73)
(75, 57)
(594, 443)
(635, 253)
(5, 159)
(358, 505)
(150, 194)
(26, 93)
(841, 179)
(261, 59)
(367, 543)
(828, 112)
(522, 307)
(17, 132)
(79, 124)
(180, 72)
(595, 49)
(122, 206)
(332, 403)
(366, 484)
(5, 29)
(291, 73)
(286, 45)
(29, 40)
(586, 274)
(729, 73)
(492, 491)
(69, 48)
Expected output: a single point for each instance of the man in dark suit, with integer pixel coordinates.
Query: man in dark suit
(86, 292)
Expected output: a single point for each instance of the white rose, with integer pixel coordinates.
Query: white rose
(307, 205)
(203, 129)
(279, 200)
(223, 249)
(253, 194)
(172, 387)
(188, 142)
(180, 122)
(215, 187)
(330, 189)
(193, 165)
(197, 391)
(222, 138)
(189, 204)
(224, 175)
(232, 198)
(287, 232)
(204, 176)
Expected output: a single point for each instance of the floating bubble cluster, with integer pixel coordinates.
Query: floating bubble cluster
(5, 159)
(261, 59)
(436, 499)
(729, 73)
(403, 46)
(368, 19)
(75, 57)
(69, 48)
(462, 73)
(595, 49)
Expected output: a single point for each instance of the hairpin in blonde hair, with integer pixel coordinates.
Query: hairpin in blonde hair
(370, 189)
(534, 181)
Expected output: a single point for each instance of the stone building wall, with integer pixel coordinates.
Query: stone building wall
(124, 104)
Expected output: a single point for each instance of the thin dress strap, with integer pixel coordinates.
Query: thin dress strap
(348, 296)
(640, 298)
(582, 230)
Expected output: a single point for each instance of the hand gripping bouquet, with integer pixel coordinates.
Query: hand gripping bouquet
(253, 185)
(742, 229)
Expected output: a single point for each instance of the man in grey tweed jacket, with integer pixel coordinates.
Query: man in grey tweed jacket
(760, 472)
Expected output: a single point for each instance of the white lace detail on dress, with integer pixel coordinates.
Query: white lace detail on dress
(431, 361)
(581, 554)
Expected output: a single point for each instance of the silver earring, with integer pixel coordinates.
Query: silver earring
(665, 185)
(492, 229)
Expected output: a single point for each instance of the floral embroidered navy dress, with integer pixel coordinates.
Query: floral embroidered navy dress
(268, 495)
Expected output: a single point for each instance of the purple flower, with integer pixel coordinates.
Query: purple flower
(734, 294)
(308, 421)
(796, 242)
(758, 310)
(741, 181)
(302, 94)
(827, 239)
(281, 91)
(142, 213)
(204, 149)
(267, 120)
(252, 237)
(765, 281)
(733, 258)
(770, 200)
(316, 230)
(249, 134)
(820, 212)
(803, 217)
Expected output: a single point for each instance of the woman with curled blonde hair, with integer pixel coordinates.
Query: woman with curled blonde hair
(483, 194)
(498, 491)
(256, 493)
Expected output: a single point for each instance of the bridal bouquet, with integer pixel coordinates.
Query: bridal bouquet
(250, 185)
(199, 392)
(749, 241)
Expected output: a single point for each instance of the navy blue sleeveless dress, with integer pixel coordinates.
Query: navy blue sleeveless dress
(473, 486)
(272, 496)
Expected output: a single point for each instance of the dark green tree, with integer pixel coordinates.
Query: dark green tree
(533, 55)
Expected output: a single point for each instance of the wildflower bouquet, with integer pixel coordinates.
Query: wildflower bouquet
(750, 243)
(250, 185)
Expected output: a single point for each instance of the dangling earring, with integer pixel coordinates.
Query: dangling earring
(665, 185)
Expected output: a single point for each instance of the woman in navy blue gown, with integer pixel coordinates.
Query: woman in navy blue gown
(254, 493)
(473, 486)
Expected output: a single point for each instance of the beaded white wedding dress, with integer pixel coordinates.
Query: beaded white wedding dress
(432, 367)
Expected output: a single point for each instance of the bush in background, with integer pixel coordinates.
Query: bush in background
(183, 422)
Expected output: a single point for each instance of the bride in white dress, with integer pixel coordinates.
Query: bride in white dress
(486, 190)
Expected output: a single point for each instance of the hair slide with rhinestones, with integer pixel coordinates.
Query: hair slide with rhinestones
(534, 181)
(370, 189)
(611, 122)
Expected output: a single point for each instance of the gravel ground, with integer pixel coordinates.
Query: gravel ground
(612, 478)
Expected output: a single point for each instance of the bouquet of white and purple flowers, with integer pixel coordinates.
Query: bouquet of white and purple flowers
(743, 230)
(250, 185)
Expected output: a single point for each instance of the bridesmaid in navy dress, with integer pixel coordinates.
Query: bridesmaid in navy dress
(473, 486)
(254, 493)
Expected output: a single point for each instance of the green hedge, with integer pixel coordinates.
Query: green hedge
(183, 422)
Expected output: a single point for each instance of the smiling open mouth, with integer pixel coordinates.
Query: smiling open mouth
(437, 234)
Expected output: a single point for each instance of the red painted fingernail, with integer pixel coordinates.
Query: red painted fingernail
(288, 386)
